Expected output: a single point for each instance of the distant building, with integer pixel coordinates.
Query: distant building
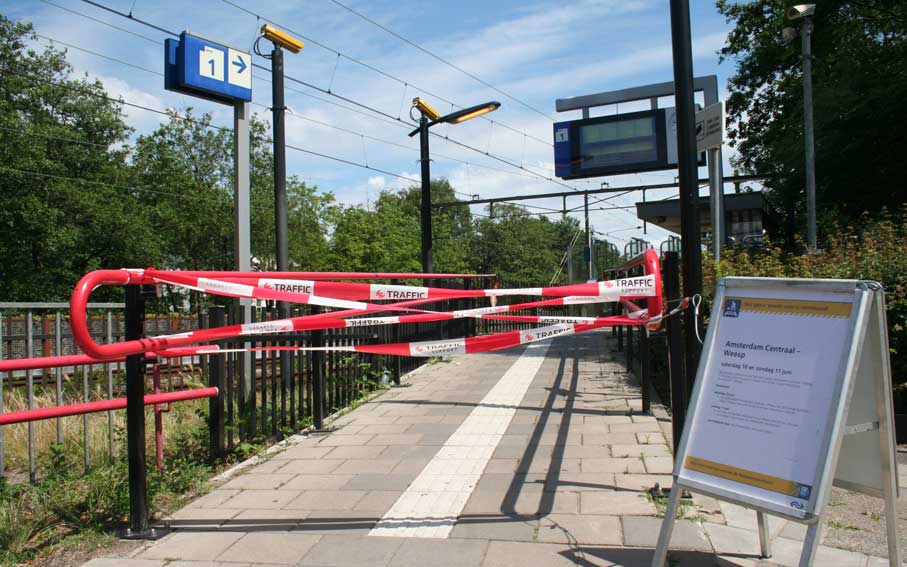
(748, 217)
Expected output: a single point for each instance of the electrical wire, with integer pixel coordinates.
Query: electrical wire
(442, 60)
(353, 102)
(360, 105)
(108, 24)
(370, 67)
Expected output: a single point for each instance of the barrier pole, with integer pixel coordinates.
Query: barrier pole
(671, 265)
(139, 527)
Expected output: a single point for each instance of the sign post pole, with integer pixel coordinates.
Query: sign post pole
(241, 199)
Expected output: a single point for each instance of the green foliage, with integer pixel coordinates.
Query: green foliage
(858, 76)
(518, 247)
(62, 160)
(866, 249)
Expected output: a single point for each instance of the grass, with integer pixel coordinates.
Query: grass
(70, 506)
(686, 510)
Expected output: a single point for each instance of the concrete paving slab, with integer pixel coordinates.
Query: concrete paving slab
(317, 481)
(584, 529)
(255, 480)
(281, 548)
(495, 527)
(326, 500)
(616, 503)
(262, 499)
(352, 551)
(366, 452)
(117, 562)
(439, 553)
(311, 466)
(642, 531)
(195, 546)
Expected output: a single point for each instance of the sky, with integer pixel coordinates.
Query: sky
(530, 53)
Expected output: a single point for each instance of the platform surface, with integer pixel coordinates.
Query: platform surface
(537, 456)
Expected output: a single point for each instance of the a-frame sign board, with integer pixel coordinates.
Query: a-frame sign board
(792, 395)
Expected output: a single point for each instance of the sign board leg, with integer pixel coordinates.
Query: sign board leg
(884, 408)
(765, 544)
(667, 526)
(810, 544)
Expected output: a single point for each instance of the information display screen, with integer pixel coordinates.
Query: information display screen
(611, 145)
(621, 143)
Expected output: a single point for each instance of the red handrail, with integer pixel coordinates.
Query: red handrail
(102, 405)
(651, 265)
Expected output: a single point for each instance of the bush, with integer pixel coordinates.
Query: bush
(872, 249)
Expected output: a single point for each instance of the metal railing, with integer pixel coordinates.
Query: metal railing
(41, 329)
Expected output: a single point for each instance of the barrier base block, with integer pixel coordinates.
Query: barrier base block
(153, 533)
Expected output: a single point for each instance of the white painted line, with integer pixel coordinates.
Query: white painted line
(431, 504)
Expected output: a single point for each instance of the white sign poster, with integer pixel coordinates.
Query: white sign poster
(768, 395)
(710, 127)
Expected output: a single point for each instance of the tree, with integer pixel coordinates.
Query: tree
(520, 248)
(451, 226)
(192, 210)
(859, 78)
(65, 204)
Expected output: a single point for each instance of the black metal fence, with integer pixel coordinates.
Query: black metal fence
(257, 401)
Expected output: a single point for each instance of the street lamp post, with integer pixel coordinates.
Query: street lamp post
(806, 12)
(428, 118)
(280, 39)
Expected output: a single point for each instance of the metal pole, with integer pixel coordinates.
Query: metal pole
(645, 368)
(588, 237)
(716, 198)
(242, 111)
(427, 255)
(671, 270)
(135, 418)
(691, 251)
(280, 203)
(806, 31)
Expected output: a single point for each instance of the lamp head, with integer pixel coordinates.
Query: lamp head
(426, 109)
(470, 113)
(801, 11)
(281, 38)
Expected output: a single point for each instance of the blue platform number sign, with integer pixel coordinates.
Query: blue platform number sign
(204, 68)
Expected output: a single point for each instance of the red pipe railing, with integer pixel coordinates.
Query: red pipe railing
(102, 405)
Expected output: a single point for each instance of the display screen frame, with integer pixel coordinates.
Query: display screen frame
(575, 169)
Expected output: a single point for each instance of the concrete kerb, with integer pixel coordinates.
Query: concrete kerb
(295, 439)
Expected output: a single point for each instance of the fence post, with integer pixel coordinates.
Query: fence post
(216, 371)
(671, 267)
(645, 368)
(317, 375)
(630, 360)
(139, 527)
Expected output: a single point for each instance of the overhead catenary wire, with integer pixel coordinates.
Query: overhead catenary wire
(406, 84)
(322, 123)
(352, 101)
(442, 60)
(358, 104)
